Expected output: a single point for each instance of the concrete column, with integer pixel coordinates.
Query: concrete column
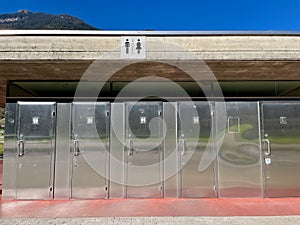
(3, 88)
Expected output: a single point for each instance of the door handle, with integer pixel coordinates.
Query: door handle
(20, 148)
(183, 151)
(268, 152)
(76, 147)
(130, 150)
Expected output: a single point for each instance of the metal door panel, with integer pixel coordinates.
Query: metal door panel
(239, 156)
(90, 124)
(281, 130)
(35, 155)
(143, 152)
(140, 176)
(10, 151)
(195, 127)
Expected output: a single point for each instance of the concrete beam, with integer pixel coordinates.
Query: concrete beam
(168, 47)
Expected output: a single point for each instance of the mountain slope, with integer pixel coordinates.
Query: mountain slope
(26, 20)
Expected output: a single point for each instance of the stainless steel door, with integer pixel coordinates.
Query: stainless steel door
(35, 154)
(143, 170)
(239, 156)
(90, 125)
(195, 128)
(281, 147)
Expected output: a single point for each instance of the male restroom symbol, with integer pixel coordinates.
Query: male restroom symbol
(127, 46)
(138, 46)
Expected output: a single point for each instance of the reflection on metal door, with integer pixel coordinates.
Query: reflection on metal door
(195, 127)
(35, 155)
(281, 147)
(90, 125)
(239, 157)
(143, 171)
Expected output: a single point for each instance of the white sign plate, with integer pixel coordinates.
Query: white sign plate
(133, 47)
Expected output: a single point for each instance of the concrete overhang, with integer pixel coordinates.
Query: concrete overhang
(229, 55)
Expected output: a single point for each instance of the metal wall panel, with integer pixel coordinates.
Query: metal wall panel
(10, 152)
(117, 135)
(281, 147)
(35, 154)
(195, 133)
(90, 125)
(62, 157)
(170, 150)
(239, 157)
(144, 150)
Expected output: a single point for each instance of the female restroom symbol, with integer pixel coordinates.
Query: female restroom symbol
(138, 46)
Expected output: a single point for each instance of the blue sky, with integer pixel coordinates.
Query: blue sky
(171, 15)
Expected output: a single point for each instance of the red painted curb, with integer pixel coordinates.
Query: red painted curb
(152, 207)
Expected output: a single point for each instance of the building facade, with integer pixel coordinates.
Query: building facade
(150, 114)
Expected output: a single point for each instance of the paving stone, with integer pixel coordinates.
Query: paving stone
(284, 220)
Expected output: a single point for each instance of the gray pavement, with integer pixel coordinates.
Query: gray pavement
(265, 220)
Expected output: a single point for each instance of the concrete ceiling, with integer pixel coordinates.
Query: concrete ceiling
(222, 70)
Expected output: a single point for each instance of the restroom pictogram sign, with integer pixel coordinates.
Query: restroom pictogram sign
(133, 47)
